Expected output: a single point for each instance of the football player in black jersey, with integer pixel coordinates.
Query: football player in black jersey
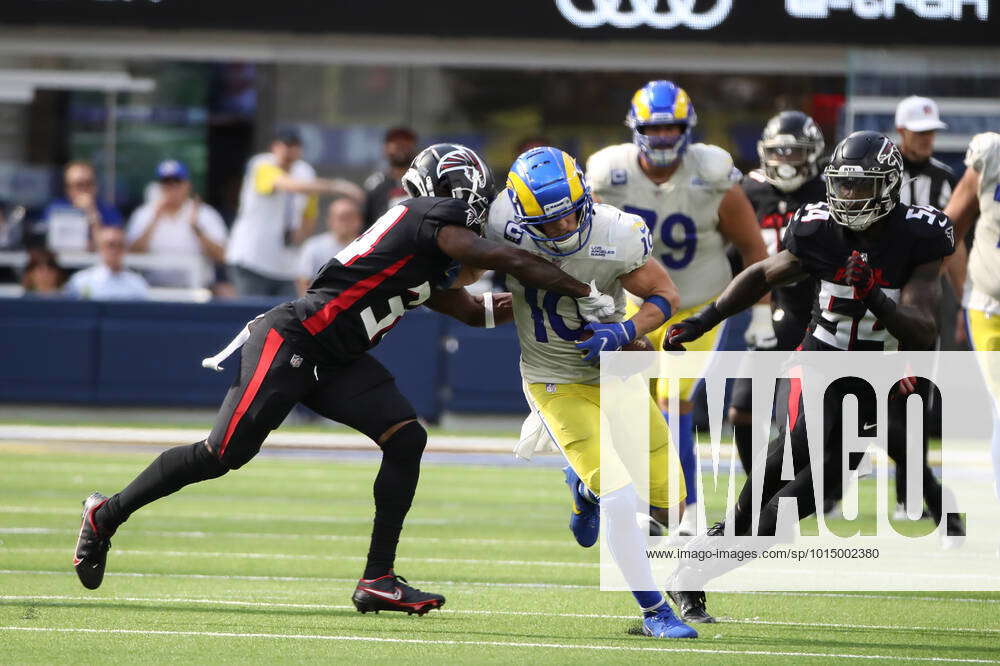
(877, 263)
(314, 351)
(788, 178)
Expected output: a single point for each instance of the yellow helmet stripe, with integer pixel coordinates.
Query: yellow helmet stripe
(681, 105)
(572, 178)
(524, 195)
(641, 105)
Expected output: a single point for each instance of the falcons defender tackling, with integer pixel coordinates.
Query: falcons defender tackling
(547, 210)
(877, 262)
(314, 351)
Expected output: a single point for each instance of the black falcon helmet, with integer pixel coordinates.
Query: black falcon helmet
(789, 150)
(452, 170)
(863, 179)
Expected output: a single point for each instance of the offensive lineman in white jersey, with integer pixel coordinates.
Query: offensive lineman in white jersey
(548, 210)
(978, 194)
(689, 194)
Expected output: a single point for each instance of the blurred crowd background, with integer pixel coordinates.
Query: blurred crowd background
(170, 150)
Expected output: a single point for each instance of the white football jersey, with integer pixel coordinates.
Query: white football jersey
(984, 258)
(682, 213)
(547, 323)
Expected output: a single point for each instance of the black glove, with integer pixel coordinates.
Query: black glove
(691, 328)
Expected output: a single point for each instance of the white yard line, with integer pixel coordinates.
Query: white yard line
(566, 543)
(504, 644)
(598, 616)
(305, 579)
(324, 558)
(279, 439)
(474, 584)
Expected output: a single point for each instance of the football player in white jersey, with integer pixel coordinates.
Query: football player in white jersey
(689, 195)
(547, 209)
(978, 195)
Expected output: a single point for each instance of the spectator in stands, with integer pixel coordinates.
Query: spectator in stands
(109, 280)
(177, 223)
(72, 221)
(276, 215)
(384, 189)
(42, 276)
(343, 223)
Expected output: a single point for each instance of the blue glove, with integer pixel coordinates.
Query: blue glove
(606, 337)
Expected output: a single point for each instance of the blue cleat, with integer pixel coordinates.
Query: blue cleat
(662, 623)
(585, 521)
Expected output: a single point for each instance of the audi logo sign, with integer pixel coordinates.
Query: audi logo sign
(670, 14)
(644, 12)
(933, 10)
(875, 23)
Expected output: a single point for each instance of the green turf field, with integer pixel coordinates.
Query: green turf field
(259, 566)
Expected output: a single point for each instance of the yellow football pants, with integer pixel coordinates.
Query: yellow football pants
(572, 415)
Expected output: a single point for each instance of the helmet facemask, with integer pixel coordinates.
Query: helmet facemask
(787, 164)
(858, 198)
(661, 151)
(568, 243)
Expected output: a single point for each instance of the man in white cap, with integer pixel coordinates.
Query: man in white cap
(926, 181)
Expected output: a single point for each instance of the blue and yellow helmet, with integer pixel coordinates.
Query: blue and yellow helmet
(661, 103)
(546, 184)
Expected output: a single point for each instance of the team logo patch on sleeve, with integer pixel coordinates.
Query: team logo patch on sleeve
(602, 252)
(619, 176)
(513, 233)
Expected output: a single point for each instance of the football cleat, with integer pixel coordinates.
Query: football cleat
(691, 606)
(393, 593)
(662, 623)
(585, 521)
(91, 546)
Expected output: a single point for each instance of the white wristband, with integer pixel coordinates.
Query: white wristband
(488, 320)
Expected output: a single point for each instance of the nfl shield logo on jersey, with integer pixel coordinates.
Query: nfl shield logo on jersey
(295, 361)
(619, 176)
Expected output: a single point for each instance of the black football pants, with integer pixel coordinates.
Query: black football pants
(273, 378)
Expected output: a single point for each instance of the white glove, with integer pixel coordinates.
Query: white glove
(760, 333)
(597, 306)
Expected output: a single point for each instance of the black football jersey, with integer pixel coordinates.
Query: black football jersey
(775, 209)
(910, 236)
(362, 292)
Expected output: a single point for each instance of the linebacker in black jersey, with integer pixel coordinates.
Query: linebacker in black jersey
(877, 263)
(314, 351)
(788, 178)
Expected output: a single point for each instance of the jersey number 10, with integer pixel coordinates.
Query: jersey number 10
(549, 306)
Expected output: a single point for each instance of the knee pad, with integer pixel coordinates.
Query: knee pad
(406, 443)
(207, 460)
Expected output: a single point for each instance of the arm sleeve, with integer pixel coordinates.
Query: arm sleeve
(937, 241)
(212, 224)
(983, 155)
(137, 224)
(800, 237)
(264, 177)
(443, 213)
(636, 243)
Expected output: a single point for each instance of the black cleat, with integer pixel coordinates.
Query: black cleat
(691, 606)
(91, 546)
(392, 593)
